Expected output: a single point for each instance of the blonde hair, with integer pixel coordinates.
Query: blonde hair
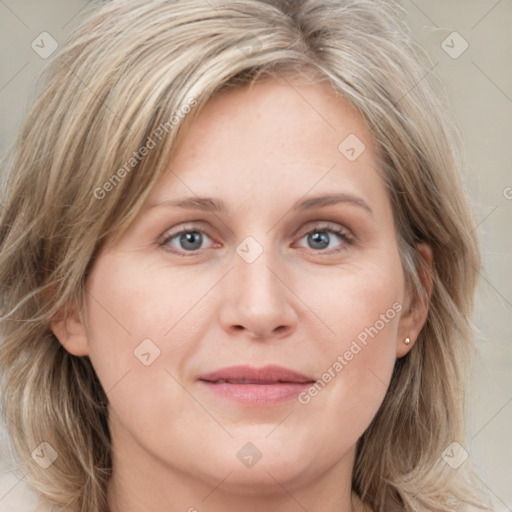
(138, 71)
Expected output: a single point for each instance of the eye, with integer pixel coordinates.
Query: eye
(187, 240)
(321, 237)
(190, 239)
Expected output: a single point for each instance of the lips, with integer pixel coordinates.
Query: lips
(271, 374)
(256, 387)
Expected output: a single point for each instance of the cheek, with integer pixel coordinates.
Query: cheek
(129, 311)
(135, 329)
(129, 302)
(362, 306)
(143, 324)
(359, 302)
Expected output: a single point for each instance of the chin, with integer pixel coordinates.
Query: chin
(265, 463)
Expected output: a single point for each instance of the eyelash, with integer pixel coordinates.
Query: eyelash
(344, 234)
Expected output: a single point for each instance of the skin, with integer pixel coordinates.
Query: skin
(175, 443)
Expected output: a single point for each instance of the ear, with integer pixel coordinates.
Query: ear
(415, 316)
(70, 330)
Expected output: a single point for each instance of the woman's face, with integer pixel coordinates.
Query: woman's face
(275, 275)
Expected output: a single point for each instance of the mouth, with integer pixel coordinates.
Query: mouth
(256, 387)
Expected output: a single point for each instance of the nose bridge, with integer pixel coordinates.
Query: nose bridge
(258, 300)
(259, 286)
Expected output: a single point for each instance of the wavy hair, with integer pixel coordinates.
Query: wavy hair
(139, 70)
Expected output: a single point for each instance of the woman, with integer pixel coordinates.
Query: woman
(237, 266)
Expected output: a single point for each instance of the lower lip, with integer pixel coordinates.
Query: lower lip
(258, 395)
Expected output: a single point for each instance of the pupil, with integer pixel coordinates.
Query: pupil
(320, 238)
(191, 238)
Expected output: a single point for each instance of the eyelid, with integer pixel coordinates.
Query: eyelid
(325, 225)
(315, 225)
(178, 230)
(348, 240)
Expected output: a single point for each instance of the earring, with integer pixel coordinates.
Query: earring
(407, 341)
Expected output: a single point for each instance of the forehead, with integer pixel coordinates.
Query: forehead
(286, 111)
(270, 140)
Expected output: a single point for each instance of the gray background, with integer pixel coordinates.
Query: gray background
(479, 85)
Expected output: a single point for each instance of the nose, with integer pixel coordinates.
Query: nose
(258, 300)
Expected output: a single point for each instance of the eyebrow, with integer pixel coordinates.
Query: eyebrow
(211, 204)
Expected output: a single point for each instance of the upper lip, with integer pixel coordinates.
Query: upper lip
(269, 374)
